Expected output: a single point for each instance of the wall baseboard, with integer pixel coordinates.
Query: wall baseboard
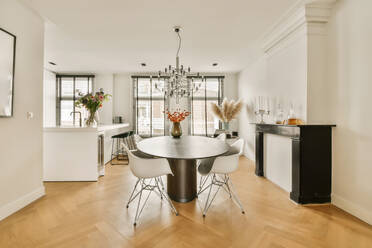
(21, 202)
(352, 208)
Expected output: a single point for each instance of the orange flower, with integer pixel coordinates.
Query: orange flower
(177, 116)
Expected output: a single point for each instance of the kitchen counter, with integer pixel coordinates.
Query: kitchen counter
(70, 152)
(99, 128)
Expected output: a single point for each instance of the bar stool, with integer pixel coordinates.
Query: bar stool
(125, 138)
(119, 152)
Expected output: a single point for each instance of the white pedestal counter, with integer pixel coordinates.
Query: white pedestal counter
(71, 153)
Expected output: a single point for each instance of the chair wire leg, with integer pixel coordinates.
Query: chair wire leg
(144, 204)
(138, 204)
(166, 196)
(161, 183)
(209, 203)
(201, 189)
(226, 180)
(200, 183)
(157, 182)
(134, 189)
(235, 195)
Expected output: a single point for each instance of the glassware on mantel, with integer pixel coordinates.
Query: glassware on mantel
(279, 118)
(262, 108)
(292, 119)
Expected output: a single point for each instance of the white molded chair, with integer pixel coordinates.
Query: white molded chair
(137, 138)
(222, 167)
(150, 170)
(205, 166)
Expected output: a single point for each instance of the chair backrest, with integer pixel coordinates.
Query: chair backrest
(239, 146)
(221, 136)
(147, 168)
(228, 164)
(137, 138)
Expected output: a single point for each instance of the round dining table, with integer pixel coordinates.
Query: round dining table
(182, 154)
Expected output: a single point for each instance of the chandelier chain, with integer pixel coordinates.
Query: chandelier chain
(179, 43)
(176, 81)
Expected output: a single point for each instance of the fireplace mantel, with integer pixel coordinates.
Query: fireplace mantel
(311, 159)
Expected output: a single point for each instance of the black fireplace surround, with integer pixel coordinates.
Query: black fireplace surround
(311, 159)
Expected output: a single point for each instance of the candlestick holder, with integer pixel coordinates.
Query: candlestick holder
(261, 113)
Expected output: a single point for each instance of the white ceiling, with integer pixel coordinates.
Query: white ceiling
(114, 36)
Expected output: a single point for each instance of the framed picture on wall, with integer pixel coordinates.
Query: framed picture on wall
(7, 66)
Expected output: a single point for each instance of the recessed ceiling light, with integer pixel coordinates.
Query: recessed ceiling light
(143, 64)
(52, 63)
(214, 64)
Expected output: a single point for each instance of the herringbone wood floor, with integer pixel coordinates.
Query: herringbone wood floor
(93, 214)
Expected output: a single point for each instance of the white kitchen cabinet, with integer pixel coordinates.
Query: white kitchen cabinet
(72, 153)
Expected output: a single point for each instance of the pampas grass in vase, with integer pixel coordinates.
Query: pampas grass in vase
(227, 111)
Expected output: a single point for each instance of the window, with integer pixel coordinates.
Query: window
(67, 95)
(149, 106)
(202, 120)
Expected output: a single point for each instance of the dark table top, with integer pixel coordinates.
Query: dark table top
(186, 147)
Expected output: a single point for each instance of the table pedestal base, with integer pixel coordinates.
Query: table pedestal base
(182, 186)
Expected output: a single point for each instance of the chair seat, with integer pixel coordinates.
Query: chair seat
(205, 165)
(140, 154)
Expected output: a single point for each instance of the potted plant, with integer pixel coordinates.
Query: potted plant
(176, 118)
(92, 102)
(227, 111)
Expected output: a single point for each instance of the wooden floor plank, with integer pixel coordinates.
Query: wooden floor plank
(93, 214)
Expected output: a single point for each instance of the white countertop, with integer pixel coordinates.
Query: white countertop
(99, 128)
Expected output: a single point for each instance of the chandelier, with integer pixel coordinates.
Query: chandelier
(177, 81)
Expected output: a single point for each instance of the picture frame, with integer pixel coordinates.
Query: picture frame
(7, 71)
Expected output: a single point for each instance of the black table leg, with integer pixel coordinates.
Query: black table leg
(182, 185)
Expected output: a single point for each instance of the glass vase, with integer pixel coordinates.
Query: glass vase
(226, 126)
(92, 119)
(176, 130)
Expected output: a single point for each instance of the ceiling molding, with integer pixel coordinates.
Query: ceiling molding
(309, 13)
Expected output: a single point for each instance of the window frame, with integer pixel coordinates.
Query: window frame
(206, 99)
(60, 98)
(191, 99)
(150, 99)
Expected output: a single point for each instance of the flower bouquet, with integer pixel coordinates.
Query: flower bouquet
(92, 103)
(227, 111)
(176, 118)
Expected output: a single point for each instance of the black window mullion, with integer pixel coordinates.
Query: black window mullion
(59, 101)
(192, 107)
(137, 104)
(150, 106)
(164, 116)
(73, 100)
(205, 106)
(219, 100)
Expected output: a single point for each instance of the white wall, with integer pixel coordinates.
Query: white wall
(123, 99)
(105, 81)
(330, 75)
(21, 146)
(350, 78)
(279, 75)
(231, 86)
(252, 82)
(49, 105)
